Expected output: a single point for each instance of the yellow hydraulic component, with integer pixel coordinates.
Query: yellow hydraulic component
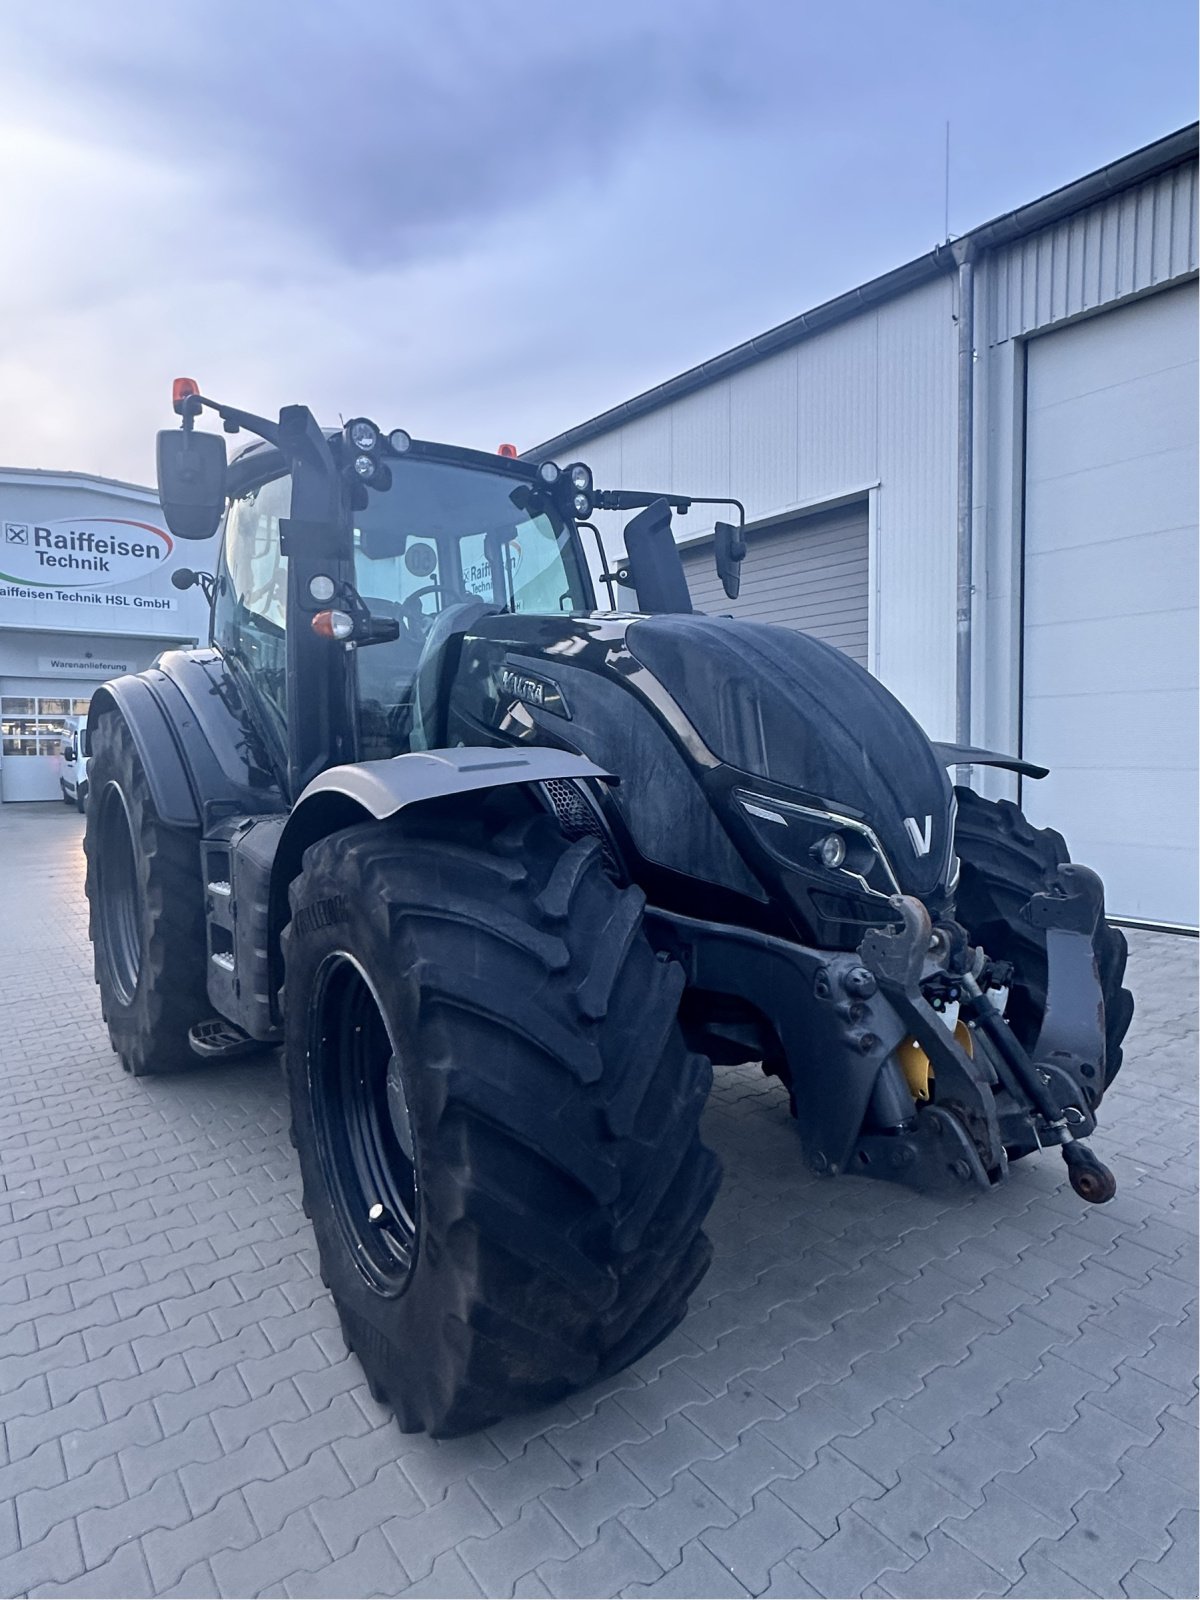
(917, 1067)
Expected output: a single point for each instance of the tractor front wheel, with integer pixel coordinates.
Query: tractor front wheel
(495, 1113)
(1005, 860)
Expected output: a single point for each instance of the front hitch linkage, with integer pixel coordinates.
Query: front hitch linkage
(896, 956)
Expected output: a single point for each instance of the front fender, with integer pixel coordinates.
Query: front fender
(382, 788)
(365, 791)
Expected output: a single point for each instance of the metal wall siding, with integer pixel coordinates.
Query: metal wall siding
(763, 427)
(916, 503)
(700, 445)
(869, 401)
(838, 373)
(1117, 248)
(644, 448)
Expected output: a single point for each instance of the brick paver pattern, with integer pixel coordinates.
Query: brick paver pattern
(875, 1393)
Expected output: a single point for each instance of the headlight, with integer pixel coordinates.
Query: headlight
(831, 851)
(548, 472)
(364, 467)
(582, 505)
(580, 477)
(815, 841)
(399, 440)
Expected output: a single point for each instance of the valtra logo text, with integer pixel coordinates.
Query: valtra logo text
(83, 553)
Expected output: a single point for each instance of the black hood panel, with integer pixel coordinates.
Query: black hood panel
(783, 706)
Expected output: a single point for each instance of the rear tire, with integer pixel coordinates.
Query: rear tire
(146, 912)
(483, 1042)
(1005, 860)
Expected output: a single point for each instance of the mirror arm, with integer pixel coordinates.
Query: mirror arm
(192, 405)
(722, 500)
(636, 499)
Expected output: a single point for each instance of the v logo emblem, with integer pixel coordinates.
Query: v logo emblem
(921, 839)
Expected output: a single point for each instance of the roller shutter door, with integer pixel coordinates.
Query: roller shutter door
(810, 574)
(1110, 640)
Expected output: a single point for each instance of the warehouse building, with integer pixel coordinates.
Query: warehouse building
(977, 475)
(85, 594)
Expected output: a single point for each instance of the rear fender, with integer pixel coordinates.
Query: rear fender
(134, 699)
(203, 756)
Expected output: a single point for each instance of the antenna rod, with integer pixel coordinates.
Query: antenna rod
(947, 180)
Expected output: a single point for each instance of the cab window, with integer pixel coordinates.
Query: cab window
(250, 610)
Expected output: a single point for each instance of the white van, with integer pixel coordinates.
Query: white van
(72, 779)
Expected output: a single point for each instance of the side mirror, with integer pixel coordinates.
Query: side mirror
(191, 481)
(653, 564)
(729, 549)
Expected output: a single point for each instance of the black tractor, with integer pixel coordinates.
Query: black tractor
(504, 873)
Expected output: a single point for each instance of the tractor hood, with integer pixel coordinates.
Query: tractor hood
(781, 706)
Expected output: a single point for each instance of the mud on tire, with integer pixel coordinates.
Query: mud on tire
(145, 912)
(536, 1075)
(1005, 860)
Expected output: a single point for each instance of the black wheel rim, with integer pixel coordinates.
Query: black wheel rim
(119, 901)
(363, 1125)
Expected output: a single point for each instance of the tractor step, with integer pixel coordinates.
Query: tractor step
(218, 1040)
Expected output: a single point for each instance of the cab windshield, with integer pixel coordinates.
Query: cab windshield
(442, 535)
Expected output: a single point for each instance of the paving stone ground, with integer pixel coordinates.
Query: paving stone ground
(876, 1393)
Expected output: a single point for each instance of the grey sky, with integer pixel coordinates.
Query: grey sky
(487, 221)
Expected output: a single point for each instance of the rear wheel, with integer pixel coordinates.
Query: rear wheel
(1005, 860)
(146, 912)
(495, 1114)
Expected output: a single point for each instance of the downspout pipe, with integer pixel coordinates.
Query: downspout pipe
(964, 255)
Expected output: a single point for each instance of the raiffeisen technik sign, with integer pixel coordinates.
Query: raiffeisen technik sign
(83, 554)
(57, 571)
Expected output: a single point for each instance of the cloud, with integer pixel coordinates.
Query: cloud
(491, 220)
(383, 133)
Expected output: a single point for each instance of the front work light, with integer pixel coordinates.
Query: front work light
(399, 440)
(362, 434)
(548, 472)
(581, 477)
(364, 467)
(583, 505)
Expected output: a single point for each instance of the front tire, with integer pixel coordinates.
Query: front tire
(495, 1114)
(146, 912)
(1005, 860)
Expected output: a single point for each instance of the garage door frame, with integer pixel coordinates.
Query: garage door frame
(1021, 346)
